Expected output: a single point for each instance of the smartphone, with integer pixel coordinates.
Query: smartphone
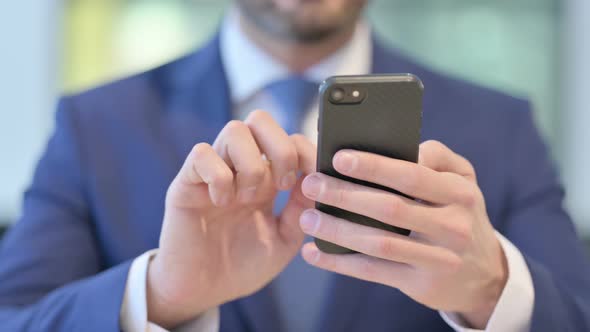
(381, 114)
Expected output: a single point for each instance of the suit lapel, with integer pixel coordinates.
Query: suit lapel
(196, 97)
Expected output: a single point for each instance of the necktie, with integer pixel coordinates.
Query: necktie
(293, 96)
(299, 291)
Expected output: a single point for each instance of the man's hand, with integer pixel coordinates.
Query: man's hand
(220, 240)
(452, 261)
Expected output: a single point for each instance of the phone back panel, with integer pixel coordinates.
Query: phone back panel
(386, 122)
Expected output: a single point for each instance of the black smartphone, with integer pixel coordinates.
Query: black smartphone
(381, 114)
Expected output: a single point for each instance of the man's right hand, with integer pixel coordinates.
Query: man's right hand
(220, 240)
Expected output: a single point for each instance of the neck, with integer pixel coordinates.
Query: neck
(297, 56)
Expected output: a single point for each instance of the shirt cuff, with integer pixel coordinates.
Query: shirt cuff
(514, 310)
(133, 315)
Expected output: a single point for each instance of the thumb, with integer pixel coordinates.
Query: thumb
(306, 152)
(437, 156)
(289, 228)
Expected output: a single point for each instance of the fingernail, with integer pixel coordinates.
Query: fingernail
(345, 162)
(309, 221)
(247, 194)
(288, 180)
(310, 254)
(312, 186)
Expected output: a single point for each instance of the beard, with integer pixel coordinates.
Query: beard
(302, 21)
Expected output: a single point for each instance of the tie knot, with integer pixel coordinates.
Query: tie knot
(293, 90)
(293, 96)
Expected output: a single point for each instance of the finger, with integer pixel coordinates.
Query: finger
(380, 205)
(414, 180)
(306, 152)
(205, 166)
(360, 266)
(236, 145)
(373, 241)
(289, 219)
(437, 156)
(277, 146)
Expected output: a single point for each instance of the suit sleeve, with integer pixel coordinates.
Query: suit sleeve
(536, 223)
(52, 277)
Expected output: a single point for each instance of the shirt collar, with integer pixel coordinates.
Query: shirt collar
(249, 69)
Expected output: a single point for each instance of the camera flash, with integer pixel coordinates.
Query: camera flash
(356, 93)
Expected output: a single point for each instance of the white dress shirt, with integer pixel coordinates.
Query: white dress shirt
(249, 70)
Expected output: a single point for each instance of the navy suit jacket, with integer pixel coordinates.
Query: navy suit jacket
(97, 198)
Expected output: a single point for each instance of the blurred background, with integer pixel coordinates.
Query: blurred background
(537, 49)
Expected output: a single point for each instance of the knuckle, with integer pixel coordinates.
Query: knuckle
(464, 234)
(257, 115)
(340, 193)
(412, 179)
(429, 146)
(288, 156)
(298, 141)
(454, 263)
(437, 144)
(386, 247)
(434, 145)
(254, 172)
(235, 126)
(392, 209)
(221, 177)
(468, 196)
(430, 150)
(298, 138)
(370, 167)
(200, 150)
(334, 229)
(469, 166)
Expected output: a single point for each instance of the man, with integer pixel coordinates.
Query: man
(154, 161)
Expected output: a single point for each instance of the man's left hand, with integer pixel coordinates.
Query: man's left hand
(452, 261)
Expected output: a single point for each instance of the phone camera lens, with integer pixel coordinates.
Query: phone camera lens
(337, 95)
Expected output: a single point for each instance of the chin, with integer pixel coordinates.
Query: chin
(303, 20)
